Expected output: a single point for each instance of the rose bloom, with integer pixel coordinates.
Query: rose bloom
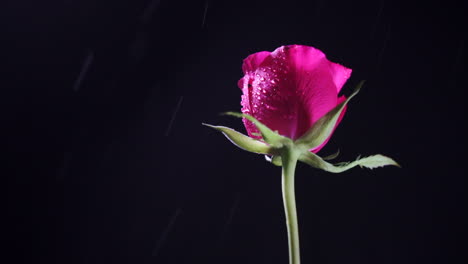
(289, 89)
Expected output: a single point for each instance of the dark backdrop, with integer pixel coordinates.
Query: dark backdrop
(106, 160)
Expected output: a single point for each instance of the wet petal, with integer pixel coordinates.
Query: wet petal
(340, 75)
(319, 147)
(290, 88)
(252, 62)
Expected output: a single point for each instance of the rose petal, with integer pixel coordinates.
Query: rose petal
(319, 147)
(289, 89)
(240, 83)
(245, 85)
(340, 74)
(249, 65)
(252, 62)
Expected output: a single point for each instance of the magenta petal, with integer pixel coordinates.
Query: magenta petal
(252, 62)
(246, 99)
(240, 83)
(319, 147)
(290, 88)
(340, 75)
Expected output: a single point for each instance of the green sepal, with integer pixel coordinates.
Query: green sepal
(323, 128)
(332, 156)
(271, 137)
(275, 145)
(275, 160)
(370, 162)
(244, 142)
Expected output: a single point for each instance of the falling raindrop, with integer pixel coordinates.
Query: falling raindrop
(84, 70)
(204, 14)
(174, 114)
(162, 239)
(149, 11)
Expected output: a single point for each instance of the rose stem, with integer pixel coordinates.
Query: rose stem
(289, 159)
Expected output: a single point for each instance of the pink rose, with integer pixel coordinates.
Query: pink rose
(289, 89)
(290, 109)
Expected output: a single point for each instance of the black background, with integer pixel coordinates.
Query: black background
(107, 161)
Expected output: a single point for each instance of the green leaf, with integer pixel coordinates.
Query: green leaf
(244, 142)
(270, 137)
(376, 161)
(370, 162)
(323, 128)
